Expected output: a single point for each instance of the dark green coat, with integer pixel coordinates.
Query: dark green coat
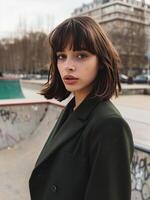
(87, 157)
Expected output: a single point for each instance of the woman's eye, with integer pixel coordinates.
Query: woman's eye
(60, 57)
(82, 56)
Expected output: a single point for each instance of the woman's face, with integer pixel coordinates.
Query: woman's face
(77, 69)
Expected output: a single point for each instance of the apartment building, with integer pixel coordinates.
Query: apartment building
(127, 23)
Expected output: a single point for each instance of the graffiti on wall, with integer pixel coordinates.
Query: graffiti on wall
(140, 176)
(18, 122)
(8, 115)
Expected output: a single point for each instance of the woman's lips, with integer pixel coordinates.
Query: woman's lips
(69, 79)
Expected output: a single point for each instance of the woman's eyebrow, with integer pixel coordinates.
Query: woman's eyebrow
(76, 51)
(58, 52)
(81, 51)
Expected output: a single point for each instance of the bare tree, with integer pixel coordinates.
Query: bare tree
(131, 41)
(26, 55)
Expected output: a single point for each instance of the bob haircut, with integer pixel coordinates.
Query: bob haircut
(83, 33)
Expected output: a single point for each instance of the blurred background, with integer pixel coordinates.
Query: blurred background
(24, 26)
(26, 117)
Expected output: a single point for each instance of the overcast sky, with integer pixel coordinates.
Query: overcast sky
(34, 14)
(17, 15)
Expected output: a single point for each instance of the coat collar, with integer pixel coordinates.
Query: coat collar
(76, 120)
(85, 108)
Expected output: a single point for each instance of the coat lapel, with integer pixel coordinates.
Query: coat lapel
(76, 120)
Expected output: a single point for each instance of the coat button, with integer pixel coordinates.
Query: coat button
(53, 188)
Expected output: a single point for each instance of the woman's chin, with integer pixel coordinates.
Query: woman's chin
(70, 88)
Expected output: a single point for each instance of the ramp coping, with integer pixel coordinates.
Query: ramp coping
(29, 101)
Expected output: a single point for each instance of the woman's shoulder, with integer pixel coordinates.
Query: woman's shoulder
(107, 115)
(108, 122)
(105, 110)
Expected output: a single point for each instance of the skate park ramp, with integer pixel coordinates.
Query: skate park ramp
(24, 129)
(18, 122)
(10, 89)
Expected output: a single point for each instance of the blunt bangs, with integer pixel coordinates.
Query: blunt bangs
(74, 34)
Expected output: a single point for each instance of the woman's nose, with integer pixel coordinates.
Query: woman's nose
(70, 64)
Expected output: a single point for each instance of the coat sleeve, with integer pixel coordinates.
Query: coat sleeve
(110, 154)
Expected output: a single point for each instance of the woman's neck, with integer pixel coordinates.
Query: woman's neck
(78, 101)
(79, 98)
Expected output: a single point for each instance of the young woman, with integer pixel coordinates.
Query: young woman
(88, 153)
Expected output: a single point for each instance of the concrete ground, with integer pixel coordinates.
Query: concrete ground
(137, 101)
(136, 110)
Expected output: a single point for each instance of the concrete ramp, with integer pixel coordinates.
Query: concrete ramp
(18, 122)
(10, 89)
(24, 128)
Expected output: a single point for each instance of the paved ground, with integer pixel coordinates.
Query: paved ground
(124, 85)
(136, 110)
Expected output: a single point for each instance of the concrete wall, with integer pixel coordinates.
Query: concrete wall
(19, 122)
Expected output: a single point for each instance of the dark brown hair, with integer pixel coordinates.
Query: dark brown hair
(83, 33)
